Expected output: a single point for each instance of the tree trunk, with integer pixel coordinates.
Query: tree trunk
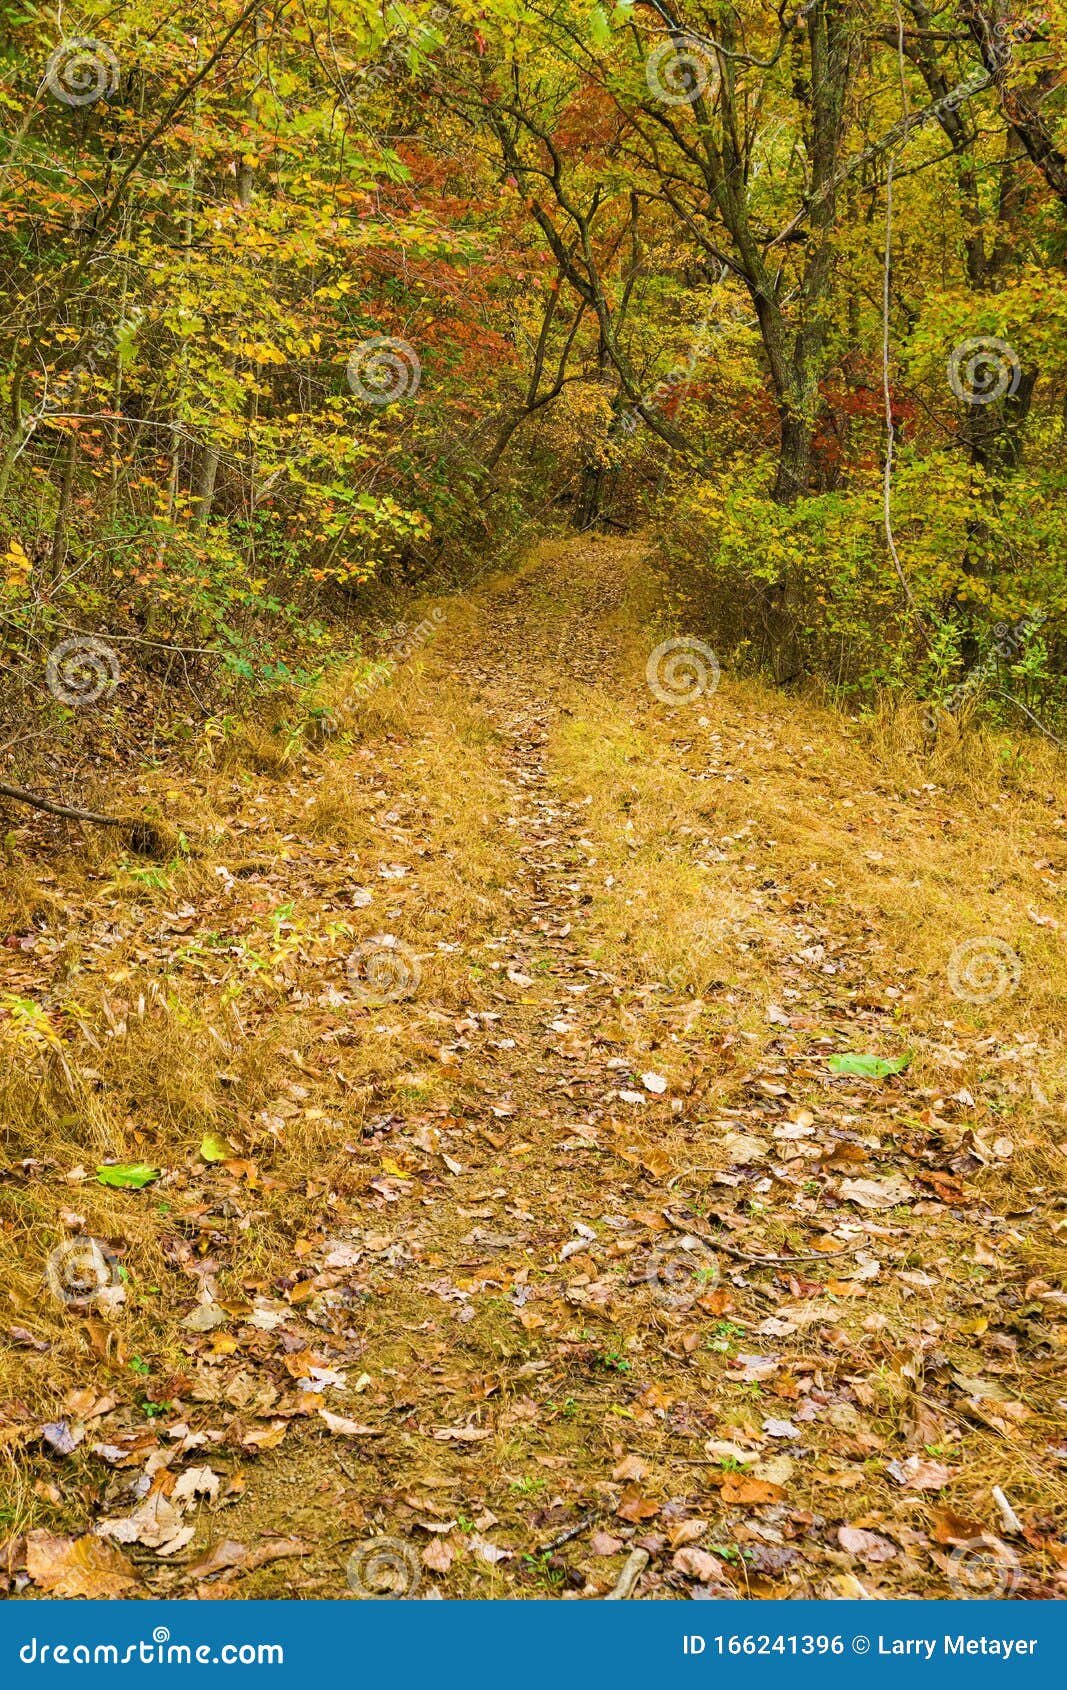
(66, 492)
(793, 476)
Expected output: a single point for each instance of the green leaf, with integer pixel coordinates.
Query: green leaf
(127, 1176)
(214, 1148)
(599, 27)
(870, 1067)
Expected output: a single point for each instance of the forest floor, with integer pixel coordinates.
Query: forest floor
(476, 1055)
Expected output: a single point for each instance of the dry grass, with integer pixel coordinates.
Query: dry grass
(748, 852)
(164, 1001)
(747, 827)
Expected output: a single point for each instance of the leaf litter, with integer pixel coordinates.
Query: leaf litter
(493, 1247)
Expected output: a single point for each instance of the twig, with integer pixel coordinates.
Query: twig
(760, 1261)
(21, 796)
(1036, 721)
(1010, 1522)
(636, 1562)
(567, 1536)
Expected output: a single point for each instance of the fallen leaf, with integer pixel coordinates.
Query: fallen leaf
(876, 1193)
(438, 1555)
(698, 1564)
(686, 1531)
(738, 1488)
(868, 1067)
(868, 1546)
(349, 1428)
(196, 1482)
(950, 1527)
(78, 1566)
(204, 1318)
(222, 1555)
(59, 1435)
(745, 1147)
(917, 1474)
(214, 1148)
(275, 1549)
(126, 1176)
(156, 1524)
(631, 1467)
(780, 1429)
(265, 1437)
(635, 1506)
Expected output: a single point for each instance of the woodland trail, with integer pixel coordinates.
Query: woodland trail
(457, 1250)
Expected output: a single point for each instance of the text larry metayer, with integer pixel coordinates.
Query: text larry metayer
(926, 1647)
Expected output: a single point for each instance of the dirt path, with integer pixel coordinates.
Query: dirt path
(473, 1256)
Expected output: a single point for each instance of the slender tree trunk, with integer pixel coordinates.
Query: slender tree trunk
(66, 494)
(173, 478)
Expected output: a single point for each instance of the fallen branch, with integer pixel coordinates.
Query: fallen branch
(636, 1562)
(568, 1536)
(21, 796)
(759, 1261)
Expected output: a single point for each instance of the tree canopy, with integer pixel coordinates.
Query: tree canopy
(301, 292)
